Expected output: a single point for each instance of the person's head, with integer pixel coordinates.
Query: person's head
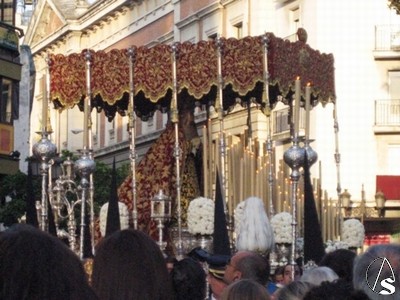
(376, 272)
(35, 265)
(216, 270)
(245, 289)
(247, 265)
(133, 262)
(278, 275)
(288, 273)
(293, 291)
(189, 280)
(340, 261)
(335, 290)
(318, 275)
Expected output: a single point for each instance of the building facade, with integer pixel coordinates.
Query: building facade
(10, 76)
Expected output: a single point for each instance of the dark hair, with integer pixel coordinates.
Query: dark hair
(245, 289)
(336, 290)
(35, 265)
(340, 261)
(254, 266)
(189, 280)
(129, 265)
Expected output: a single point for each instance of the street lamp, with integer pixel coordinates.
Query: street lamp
(380, 203)
(346, 202)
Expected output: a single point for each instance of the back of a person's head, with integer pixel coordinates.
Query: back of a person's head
(129, 265)
(189, 280)
(319, 274)
(254, 266)
(335, 290)
(340, 261)
(35, 265)
(245, 289)
(376, 272)
(294, 290)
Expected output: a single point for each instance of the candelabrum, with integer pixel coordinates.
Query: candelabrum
(44, 151)
(67, 195)
(161, 212)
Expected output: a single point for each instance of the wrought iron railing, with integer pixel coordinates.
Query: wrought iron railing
(281, 121)
(387, 112)
(387, 38)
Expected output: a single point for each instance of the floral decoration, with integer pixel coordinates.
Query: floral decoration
(238, 215)
(123, 217)
(353, 233)
(331, 246)
(201, 216)
(282, 225)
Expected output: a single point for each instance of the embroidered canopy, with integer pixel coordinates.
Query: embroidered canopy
(197, 74)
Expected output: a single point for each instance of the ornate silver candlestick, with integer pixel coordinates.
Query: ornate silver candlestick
(161, 212)
(294, 157)
(84, 167)
(44, 150)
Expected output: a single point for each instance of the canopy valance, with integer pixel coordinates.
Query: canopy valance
(197, 74)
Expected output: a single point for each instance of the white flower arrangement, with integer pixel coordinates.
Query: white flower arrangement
(353, 233)
(331, 246)
(282, 226)
(238, 215)
(123, 217)
(200, 216)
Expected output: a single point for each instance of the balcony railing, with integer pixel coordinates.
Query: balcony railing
(387, 38)
(387, 112)
(281, 121)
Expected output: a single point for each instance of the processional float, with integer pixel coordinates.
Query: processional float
(138, 80)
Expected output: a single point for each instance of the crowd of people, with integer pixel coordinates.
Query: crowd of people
(128, 264)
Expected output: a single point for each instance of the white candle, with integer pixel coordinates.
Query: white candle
(297, 107)
(205, 160)
(85, 122)
(44, 104)
(308, 100)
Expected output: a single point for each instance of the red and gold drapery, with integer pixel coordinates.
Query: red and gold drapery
(242, 72)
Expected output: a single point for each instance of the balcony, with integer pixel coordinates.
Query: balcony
(387, 42)
(387, 116)
(281, 123)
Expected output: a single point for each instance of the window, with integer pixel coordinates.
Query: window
(212, 37)
(6, 100)
(294, 16)
(239, 30)
(7, 11)
(394, 84)
(393, 159)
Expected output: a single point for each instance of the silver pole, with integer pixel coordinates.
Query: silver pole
(44, 151)
(132, 135)
(337, 160)
(294, 158)
(177, 150)
(220, 110)
(267, 111)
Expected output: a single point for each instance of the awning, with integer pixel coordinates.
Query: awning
(389, 185)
